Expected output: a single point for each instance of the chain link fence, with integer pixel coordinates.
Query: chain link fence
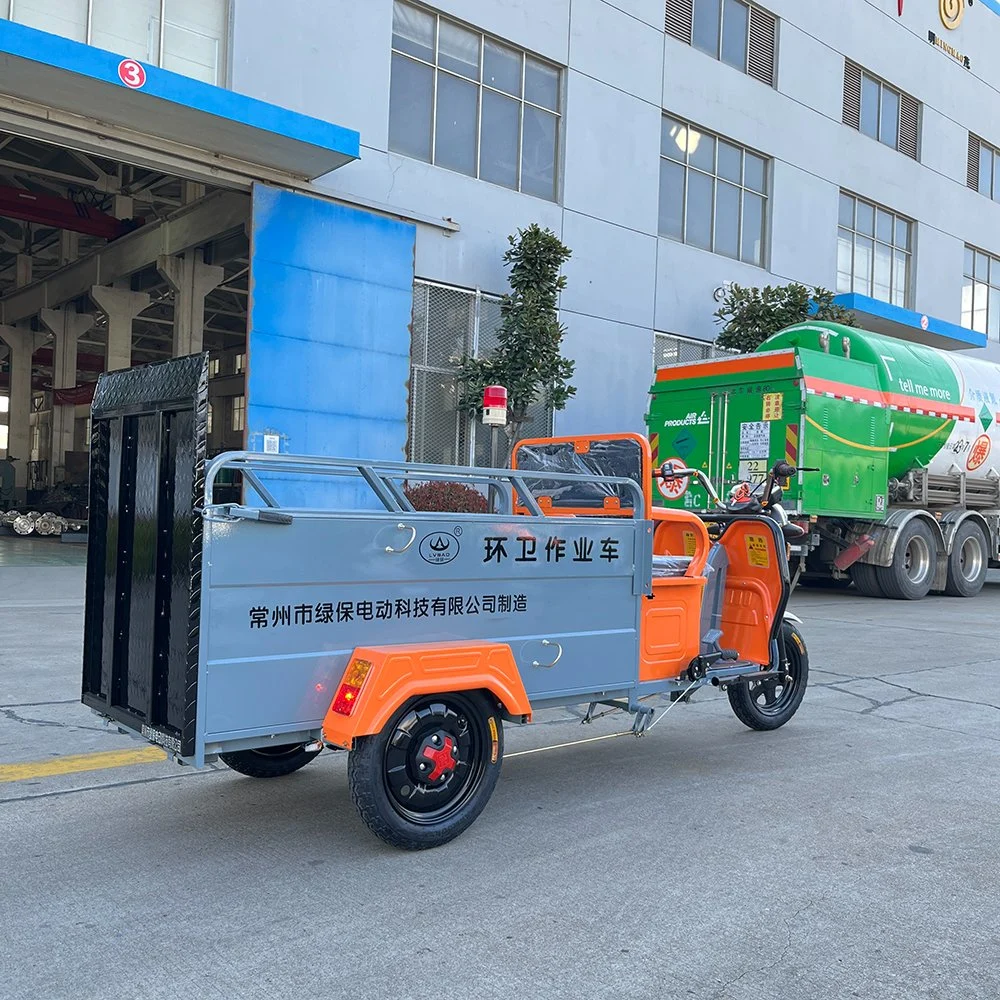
(669, 349)
(449, 324)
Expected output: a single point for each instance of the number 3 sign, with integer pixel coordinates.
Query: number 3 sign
(132, 74)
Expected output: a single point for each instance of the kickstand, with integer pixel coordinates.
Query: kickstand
(643, 717)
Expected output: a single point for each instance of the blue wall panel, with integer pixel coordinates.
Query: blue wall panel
(329, 342)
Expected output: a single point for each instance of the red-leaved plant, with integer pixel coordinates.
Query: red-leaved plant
(453, 498)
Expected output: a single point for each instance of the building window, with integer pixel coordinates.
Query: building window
(669, 349)
(240, 364)
(209, 418)
(734, 31)
(874, 251)
(713, 193)
(984, 168)
(239, 412)
(213, 367)
(981, 293)
(464, 100)
(881, 111)
(449, 324)
(192, 39)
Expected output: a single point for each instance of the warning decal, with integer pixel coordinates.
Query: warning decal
(757, 553)
(690, 543)
(773, 405)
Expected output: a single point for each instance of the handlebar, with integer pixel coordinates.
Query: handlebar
(781, 470)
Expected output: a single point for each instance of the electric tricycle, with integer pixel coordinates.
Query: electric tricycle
(322, 611)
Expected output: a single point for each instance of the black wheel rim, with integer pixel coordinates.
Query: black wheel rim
(772, 696)
(435, 758)
(275, 753)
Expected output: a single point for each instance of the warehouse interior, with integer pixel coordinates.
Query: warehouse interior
(103, 265)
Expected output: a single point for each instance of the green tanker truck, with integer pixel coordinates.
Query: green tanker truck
(905, 438)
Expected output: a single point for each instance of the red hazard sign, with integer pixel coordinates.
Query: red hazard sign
(979, 453)
(132, 74)
(674, 487)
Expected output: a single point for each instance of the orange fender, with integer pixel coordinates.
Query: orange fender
(399, 673)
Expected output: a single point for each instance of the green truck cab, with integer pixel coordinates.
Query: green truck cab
(907, 496)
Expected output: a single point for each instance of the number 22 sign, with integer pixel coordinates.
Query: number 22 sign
(132, 74)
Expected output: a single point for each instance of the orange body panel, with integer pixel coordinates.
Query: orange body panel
(753, 590)
(399, 673)
(680, 533)
(671, 623)
(727, 366)
(671, 618)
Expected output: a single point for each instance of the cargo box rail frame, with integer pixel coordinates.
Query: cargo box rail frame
(146, 642)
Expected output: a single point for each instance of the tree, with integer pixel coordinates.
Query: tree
(528, 360)
(751, 315)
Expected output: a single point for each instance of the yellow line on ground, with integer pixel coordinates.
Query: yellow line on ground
(79, 762)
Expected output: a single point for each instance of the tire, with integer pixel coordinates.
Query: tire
(911, 574)
(766, 705)
(866, 580)
(967, 562)
(269, 762)
(409, 806)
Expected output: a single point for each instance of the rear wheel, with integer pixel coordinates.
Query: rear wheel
(911, 574)
(968, 562)
(769, 704)
(866, 580)
(269, 762)
(429, 773)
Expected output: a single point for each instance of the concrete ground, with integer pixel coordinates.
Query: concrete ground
(853, 853)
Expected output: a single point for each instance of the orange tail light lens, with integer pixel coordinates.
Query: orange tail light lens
(350, 687)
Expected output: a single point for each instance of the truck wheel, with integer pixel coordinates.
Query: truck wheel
(911, 574)
(770, 704)
(866, 580)
(967, 563)
(430, 772)
(269, 762)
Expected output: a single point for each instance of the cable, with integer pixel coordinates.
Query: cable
(608, 736)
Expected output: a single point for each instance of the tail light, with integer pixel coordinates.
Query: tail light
(350, 686)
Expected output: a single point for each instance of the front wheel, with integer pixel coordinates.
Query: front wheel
(429, 773)
(769, 704)
(269, 762)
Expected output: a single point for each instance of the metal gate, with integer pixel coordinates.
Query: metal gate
(144, 551)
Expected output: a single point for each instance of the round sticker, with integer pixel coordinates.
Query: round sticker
(438, 548)
(132, 74)
(674, 488)
(979, 453)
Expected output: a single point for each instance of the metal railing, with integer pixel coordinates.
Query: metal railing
(385, 480)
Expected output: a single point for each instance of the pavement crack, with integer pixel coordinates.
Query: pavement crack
(938, 697)
(788, 922)
(873, 703)
(9, 713)
(41, 704)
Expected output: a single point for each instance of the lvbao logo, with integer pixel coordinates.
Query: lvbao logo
(438, 548)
